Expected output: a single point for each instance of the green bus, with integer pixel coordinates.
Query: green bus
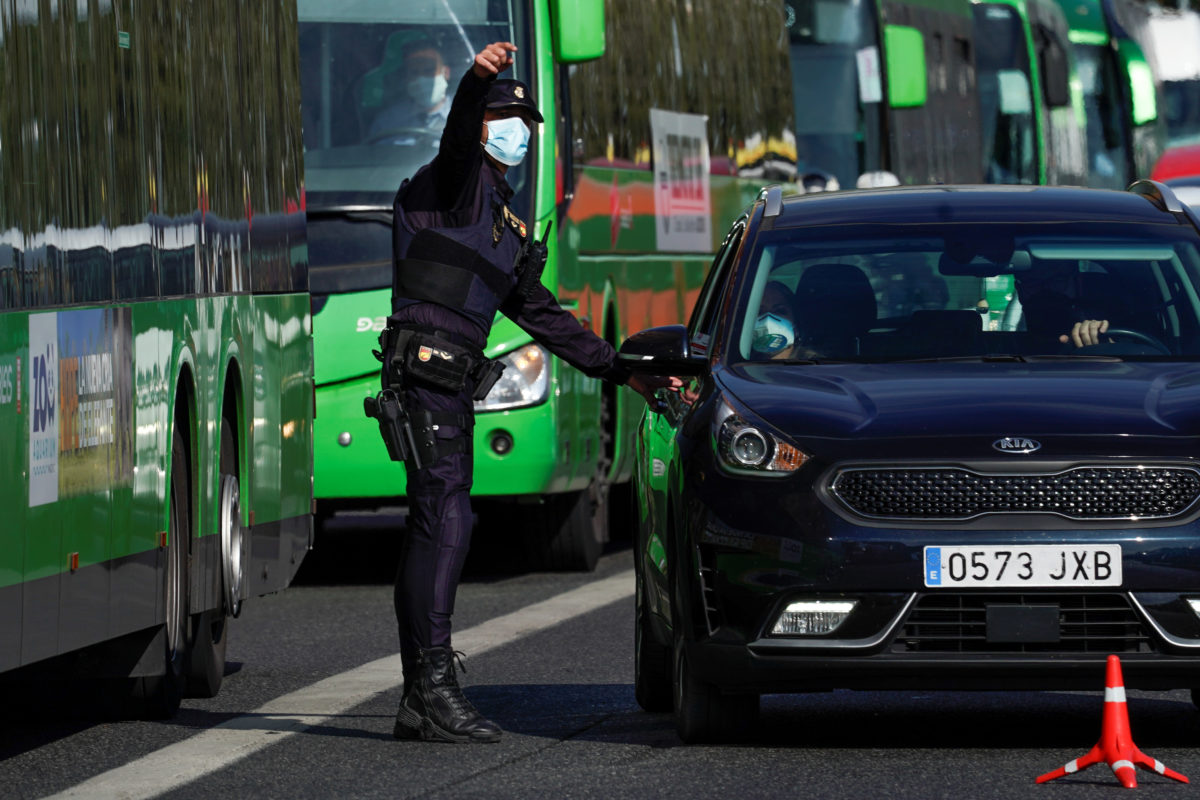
(645, 155)
(1125, 131)
(155, 337)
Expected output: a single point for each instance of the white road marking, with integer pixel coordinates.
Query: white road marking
(235, 739)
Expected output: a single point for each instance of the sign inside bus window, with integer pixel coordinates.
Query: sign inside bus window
(682, 206)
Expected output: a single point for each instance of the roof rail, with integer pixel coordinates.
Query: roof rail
(1161, 195)
(773, 195)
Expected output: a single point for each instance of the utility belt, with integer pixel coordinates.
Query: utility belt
(425, 357)
(431, 358)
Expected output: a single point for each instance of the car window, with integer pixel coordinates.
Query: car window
(946, 291)
(700, 325)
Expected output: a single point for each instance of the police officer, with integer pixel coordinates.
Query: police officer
(457, 250)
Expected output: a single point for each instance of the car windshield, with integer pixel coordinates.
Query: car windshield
(969, 291)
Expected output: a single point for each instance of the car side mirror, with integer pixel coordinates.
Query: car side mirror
(664, 350)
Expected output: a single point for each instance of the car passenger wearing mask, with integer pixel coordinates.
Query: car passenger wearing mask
(775, 334)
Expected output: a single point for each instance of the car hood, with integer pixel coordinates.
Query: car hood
(962, 399)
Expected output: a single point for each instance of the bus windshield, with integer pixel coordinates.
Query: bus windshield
(837, 115)
(1106, 139)
(378, 78)
(1005, 96)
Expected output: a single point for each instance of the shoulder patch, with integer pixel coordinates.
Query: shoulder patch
(516, 223)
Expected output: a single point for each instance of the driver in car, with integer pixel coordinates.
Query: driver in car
(1051, 298)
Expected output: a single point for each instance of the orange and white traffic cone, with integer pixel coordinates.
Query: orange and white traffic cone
(1116, 747)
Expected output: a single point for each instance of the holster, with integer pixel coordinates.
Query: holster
(396, 427)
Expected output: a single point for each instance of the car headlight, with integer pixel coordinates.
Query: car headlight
(524, 382)
(748, 449)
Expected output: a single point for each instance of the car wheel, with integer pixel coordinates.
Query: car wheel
(651, 660)
(703, 713)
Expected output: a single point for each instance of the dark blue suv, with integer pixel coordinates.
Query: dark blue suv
(935, 437)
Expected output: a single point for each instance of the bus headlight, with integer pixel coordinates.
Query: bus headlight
(524, 382)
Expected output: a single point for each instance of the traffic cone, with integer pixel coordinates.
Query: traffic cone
(1116, 747)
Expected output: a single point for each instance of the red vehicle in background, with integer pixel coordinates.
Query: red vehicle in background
(1182, 161)
(1179, 167)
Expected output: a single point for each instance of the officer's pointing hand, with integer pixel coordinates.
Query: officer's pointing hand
(647, 385)
(494, 59)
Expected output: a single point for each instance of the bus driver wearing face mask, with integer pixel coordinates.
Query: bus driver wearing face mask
(422, 102)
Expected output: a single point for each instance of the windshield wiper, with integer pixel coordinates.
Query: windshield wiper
(1074, 357)
(356, 213)
(985, 359)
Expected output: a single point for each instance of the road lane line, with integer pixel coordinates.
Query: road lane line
(242, 736)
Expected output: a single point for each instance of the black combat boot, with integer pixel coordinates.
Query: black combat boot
(434, 708)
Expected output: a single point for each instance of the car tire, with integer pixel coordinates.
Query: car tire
(703, 713)
(651, 660)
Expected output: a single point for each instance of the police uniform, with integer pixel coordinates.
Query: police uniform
(455, 244)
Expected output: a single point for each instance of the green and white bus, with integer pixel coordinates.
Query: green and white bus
(1126, 133)
(156, 391)
(646, 154)
(630, 246)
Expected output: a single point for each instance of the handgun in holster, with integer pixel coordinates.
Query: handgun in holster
(395, 426)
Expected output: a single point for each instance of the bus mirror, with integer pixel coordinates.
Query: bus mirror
(664, 350)
(1056, 69)
(578, 30)
(905, 66)
(1141, 81)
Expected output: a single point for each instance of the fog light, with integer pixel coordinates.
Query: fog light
(502, 443)
(813, 617)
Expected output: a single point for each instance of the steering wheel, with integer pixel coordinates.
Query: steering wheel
(390, 134)
(1137, 337)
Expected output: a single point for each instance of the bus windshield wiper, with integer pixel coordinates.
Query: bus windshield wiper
(357, 213)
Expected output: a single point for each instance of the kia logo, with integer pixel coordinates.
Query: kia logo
(1017, 444)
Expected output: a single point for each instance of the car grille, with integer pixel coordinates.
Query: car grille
(1088, 623)
(1079, 493)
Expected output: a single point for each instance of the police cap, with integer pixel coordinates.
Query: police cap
(510, 93)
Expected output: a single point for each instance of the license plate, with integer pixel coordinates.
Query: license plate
(1044, 565)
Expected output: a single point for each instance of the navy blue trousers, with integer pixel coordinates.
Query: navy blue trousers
(438, 533)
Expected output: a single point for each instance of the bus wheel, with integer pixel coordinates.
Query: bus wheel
(158, 696)
(212, 627)
(561, 535)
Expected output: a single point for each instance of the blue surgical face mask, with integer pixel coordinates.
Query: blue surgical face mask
(507, 141)
(427, 90)
(772, 333)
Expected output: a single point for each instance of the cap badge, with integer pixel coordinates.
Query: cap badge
(519, 91)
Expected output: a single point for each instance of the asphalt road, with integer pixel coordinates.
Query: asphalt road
(310, 692)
